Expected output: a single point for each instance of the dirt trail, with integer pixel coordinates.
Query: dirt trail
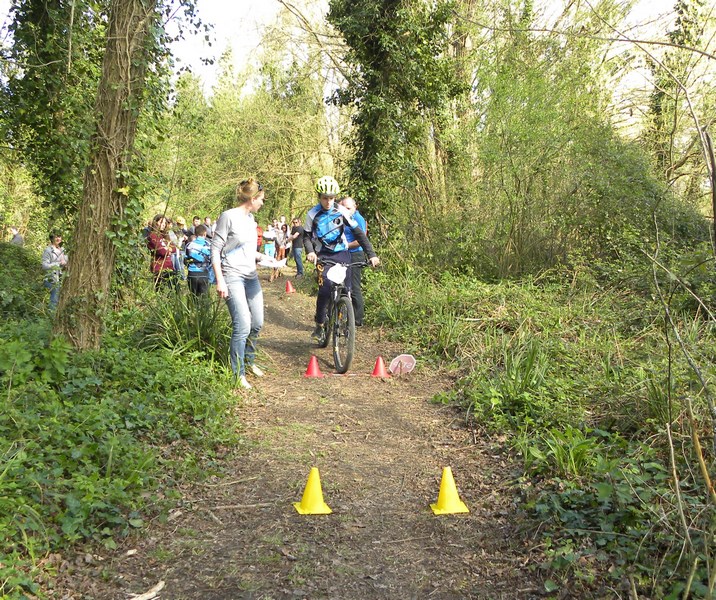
(380, 447)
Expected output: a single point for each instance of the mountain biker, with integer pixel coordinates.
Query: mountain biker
(324, 239)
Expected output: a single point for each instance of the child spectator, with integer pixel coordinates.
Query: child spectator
(198, 260)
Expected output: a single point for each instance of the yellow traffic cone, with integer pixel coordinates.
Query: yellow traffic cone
(448, 502)
(312, 502)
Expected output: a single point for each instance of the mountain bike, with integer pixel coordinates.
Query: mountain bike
(341, 325)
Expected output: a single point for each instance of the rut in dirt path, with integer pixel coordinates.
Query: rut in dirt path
(380, 446)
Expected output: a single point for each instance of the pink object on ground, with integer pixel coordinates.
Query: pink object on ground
(402, 364)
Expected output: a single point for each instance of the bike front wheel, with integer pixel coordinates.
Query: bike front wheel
(344, 334)
(323, 341)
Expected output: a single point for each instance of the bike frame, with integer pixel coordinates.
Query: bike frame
(341, 320)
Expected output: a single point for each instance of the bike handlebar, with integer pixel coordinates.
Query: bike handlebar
(330, 263)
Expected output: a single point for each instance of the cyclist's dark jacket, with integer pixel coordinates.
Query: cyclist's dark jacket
(324, 231)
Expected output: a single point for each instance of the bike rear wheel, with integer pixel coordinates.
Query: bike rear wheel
(344, 334)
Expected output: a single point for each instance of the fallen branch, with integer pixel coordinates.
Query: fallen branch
(242, 506)
(150, 594)
(234, 482)
(214, 518)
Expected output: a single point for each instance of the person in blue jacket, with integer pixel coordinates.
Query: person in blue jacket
(198, 261)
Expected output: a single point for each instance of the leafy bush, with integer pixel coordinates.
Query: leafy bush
(570, 453)
(21, 290)
(89, 441)
(623, 523)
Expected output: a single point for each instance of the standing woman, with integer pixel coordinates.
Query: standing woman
(281, 239)
(233, 258)
(281, 243)
(287, 241)
(162, 249)
(54, 261)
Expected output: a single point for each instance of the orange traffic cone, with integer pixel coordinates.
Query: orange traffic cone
(289, 287)
(313, 369)
(379, 370)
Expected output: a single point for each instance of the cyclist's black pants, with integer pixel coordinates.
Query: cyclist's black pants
(356, 284)
(324, 284)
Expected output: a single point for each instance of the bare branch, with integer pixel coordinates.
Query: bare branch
(306, 26)
(622, 37)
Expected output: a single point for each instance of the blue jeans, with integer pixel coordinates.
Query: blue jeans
(246, 307)
(54, 287)
(298, 257)
(178, 264)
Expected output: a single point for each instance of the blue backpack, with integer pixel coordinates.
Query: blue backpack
(196, 258)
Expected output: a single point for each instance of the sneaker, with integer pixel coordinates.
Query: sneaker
(256, 371)
(244, 383)
(319, 332)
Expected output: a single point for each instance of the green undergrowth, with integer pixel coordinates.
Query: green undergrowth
(583, 380)
(93, 443)
(21, 290)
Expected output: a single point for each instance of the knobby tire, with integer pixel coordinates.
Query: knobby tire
(344, 334)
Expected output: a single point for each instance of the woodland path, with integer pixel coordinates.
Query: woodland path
(380, 446)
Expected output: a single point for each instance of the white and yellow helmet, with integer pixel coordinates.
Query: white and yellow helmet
(327, 186)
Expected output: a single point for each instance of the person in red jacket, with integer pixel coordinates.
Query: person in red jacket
(162, 249)
(259, 237)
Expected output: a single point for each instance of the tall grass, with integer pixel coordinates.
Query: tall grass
(185, 325)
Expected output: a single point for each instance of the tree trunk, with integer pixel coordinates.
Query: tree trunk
(91, 263)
